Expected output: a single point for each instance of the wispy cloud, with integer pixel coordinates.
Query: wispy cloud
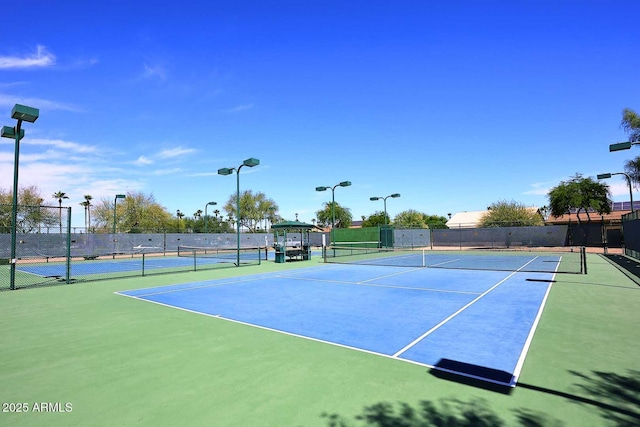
(239, 108)
(157, 72)
(41, 58)
(7, 100)
(61, 144)
(175, 152)
(161, 172)
(142, 160)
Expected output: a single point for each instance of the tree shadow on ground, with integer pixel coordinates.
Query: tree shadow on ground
(444, 413)
(618, 395)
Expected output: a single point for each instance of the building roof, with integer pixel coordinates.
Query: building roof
(614, 216)
(466, 219)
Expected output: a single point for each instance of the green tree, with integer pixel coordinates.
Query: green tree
(136, 213)
(410, 218)
(435, 221)
(59, 196)
(31, 217)
(510, 214)
(254, 208)
(375, 220)
(579, 193)
(342, 215)
(631, 124)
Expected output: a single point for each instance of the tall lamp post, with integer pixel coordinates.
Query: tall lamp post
(115, 204)
(333, 202)
(608, 175)
(251, 162)
(394, 195)
(27, 114)
(205, 214)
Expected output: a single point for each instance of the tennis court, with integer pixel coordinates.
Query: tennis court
(186, 258)
(475, 324)
(301, 352)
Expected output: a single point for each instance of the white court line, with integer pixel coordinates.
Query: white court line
(364, 283)
(439, 325)
(444, 262)
(188, 288)
(527, 344)
(318, 340)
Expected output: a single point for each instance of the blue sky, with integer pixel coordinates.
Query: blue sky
(455, 105)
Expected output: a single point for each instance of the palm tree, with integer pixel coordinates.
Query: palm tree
(631, 125)
(87, 199)
(60, 195)
(197, 215)
(85, 204)
(180, 215)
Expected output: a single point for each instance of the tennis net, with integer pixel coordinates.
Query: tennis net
(245, 255)
(542, 260)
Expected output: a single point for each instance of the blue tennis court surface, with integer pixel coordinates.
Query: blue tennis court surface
(473, 323)
(113, 266)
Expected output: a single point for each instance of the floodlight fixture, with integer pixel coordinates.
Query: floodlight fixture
(322, 188)
(345, 184)
(620, 146)
(251, 162)
(10, 132)
(604, 176)
(24, 113)
(225, 171)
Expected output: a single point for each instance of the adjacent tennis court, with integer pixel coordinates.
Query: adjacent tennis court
(476, 324)
(186, 258)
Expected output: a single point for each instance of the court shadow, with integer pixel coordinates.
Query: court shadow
(473, 375)
(444, 412)
(629, 266)
(617, 396)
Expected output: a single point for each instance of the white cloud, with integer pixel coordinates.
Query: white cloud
(142, 160)
(41, 58)
(154, 72)
(239, 108)
(161, 172)
(60, 144)
(42, 104)
(175, 152)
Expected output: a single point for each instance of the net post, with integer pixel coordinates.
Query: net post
(143, 264)
(584, 259)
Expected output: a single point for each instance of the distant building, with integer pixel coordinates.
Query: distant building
(466, 219)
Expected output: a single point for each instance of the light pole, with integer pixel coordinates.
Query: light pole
(333, 202)
(394, 195)
(608, 175)
(205, 214)
(115, 204)
(251, 162)
(28, 114)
